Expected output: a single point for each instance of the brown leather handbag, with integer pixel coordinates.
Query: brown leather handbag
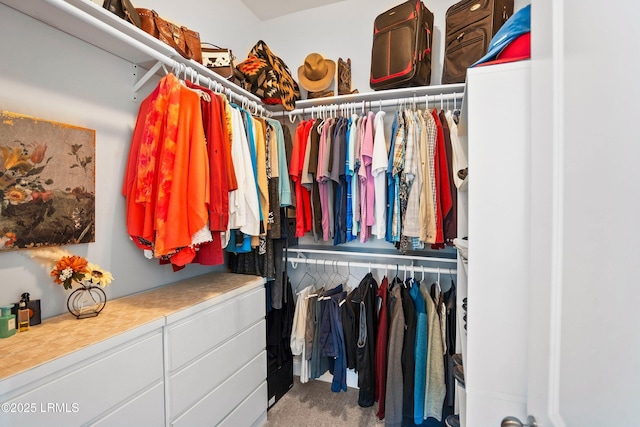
(185, 41)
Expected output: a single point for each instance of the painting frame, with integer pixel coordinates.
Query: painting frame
(47, 183)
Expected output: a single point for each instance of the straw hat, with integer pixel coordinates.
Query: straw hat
(317, 73)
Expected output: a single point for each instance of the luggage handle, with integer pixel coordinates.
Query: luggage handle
(425, 52)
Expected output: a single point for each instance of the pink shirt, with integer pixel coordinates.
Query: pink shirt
(367, 184)
(323, 181)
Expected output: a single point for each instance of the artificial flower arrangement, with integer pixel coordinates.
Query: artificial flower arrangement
(67, 268)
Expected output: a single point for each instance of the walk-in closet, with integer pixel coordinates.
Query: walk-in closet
(247, 272)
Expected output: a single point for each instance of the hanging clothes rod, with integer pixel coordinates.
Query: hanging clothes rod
(404, 267)
(386, 98)
(188, 73)
(365, 254)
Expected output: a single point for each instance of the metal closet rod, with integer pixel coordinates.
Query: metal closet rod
(377, 255)
(190, 73)
(386, 98)
(404, 267)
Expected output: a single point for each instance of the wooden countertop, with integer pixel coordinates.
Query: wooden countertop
(64, 334)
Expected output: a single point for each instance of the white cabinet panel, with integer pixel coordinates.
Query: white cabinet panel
(192, 383)
(197, 334)
(86, 390)
(499, 228)
(213, 408)
(249, 411)
(144, 410)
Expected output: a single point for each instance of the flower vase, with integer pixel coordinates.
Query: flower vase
(86, 301)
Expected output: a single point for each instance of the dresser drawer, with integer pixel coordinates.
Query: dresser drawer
(81, 392)
(196, 335)
(221, 401)
(250, 410)
(147, 410)
(190, 384)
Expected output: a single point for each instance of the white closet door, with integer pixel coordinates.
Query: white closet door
(585, 325)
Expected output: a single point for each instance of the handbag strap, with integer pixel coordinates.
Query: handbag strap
(214, 45)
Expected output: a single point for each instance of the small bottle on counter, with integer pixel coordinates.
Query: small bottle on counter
(7, 322)
(23, 316)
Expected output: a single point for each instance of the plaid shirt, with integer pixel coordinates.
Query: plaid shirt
(427, 201)
(398, 153)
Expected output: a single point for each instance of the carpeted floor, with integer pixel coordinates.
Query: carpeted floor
(313, 404)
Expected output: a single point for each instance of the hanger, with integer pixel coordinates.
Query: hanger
(344, 278)
(307, 273)
(324, 275)
(422, 274)
(349, 274)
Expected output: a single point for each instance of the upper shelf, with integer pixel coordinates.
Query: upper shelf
(95, 25)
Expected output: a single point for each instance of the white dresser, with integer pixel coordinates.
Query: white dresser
(187, 354)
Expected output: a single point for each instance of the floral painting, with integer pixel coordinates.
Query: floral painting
(47, 183)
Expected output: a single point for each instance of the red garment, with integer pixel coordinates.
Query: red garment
(450, 221)
(228, 137)
(303, 196)
(443, 192)
(139, 215)
(165, 183)
(188, 195)
(215, 129)
(380, 358)
(212, 119)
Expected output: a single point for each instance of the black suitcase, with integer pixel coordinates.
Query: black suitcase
(401, 49)
(470, 26)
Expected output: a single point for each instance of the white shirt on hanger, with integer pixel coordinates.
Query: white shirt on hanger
(379, 171)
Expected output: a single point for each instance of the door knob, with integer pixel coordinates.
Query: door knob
(515, 422)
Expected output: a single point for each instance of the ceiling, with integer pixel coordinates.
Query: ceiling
(270, 9)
